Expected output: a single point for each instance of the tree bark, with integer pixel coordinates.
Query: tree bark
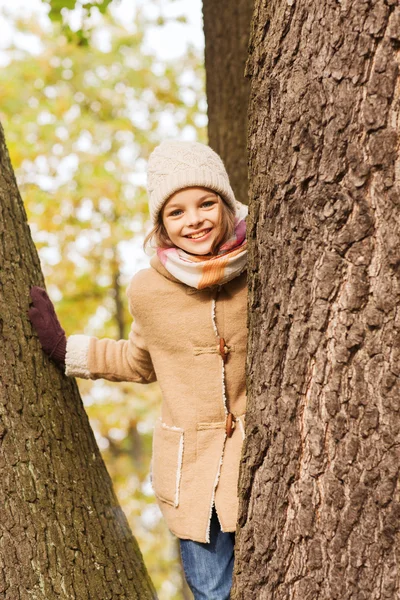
(226, 30)
(62, 532)
(319, 487)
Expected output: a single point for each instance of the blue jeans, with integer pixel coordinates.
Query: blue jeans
(208, 567)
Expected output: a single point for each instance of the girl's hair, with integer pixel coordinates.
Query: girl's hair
(158, 237)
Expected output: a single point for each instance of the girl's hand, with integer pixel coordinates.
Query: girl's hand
(44, 319)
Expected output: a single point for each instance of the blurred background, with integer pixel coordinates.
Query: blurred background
(84, 99)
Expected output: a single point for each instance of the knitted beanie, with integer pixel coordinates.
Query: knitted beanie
(175, 165)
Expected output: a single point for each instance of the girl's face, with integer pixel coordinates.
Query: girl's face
(192, 219)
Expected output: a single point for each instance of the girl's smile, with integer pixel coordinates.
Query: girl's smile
(192, 218)
(199, 235)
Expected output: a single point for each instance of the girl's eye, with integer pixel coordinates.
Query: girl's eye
(208, 203)
(175, 213)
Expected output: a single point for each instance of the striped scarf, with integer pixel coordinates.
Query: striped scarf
(205, 271)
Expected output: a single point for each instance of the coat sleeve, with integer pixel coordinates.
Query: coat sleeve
(123, 360)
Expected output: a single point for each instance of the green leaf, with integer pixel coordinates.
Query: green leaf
(56, 7)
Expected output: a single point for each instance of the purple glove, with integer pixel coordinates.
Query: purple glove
(44, 319)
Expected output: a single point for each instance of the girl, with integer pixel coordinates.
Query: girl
(189, 333)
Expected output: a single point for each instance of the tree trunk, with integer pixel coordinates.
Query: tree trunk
(62, 532)
(319, 488)
(226, 30)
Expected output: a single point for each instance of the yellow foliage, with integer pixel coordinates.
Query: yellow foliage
(80, 124)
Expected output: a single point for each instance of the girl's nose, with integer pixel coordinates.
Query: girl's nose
(194, 218)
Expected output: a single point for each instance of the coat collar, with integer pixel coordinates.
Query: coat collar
(157, 265)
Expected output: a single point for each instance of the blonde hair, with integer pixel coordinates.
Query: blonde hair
(158, 237)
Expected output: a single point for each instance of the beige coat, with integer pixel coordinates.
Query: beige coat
(175, 338)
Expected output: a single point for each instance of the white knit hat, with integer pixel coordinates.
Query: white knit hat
(176, 165)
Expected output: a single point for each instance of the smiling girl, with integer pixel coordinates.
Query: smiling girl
(189, 333)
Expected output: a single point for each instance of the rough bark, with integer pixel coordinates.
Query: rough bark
(319, 488)
(226, 30)
(62, 532)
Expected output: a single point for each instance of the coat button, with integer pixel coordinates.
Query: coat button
(230, 424)
(223, 349)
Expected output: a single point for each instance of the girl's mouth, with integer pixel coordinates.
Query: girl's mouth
(199, 236)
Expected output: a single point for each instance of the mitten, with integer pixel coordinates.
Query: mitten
(44, 319)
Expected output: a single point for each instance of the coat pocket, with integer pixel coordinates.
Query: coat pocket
(167, 462)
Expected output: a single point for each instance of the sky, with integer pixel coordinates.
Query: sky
(170, 41)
